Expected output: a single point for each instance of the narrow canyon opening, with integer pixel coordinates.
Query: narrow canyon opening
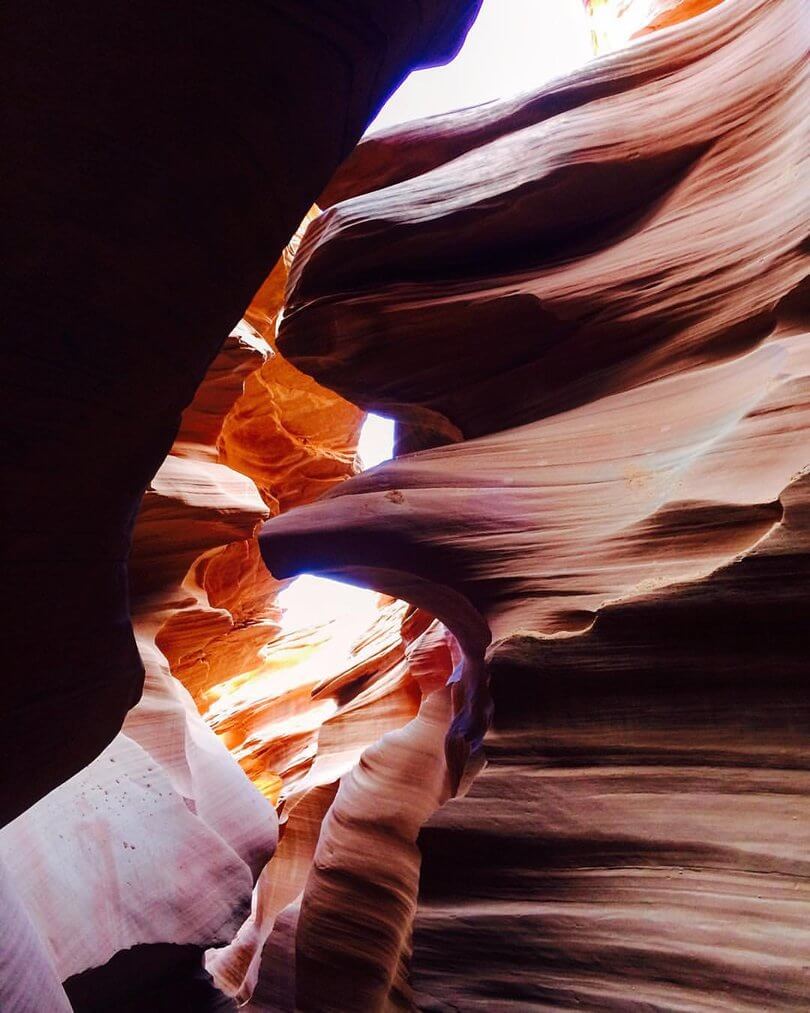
(325, 626)
(457, 661)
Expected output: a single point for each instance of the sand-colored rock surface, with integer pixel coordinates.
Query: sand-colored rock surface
(586, 309)
(630, 484)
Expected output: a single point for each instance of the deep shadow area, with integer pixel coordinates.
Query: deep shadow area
(156, 978)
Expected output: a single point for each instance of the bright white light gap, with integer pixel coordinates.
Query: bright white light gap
(310, 599)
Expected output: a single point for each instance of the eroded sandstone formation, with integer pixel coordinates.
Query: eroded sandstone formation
(157, 166)
(294, 707)
(585, 309)
(158, 160)
(602, 287)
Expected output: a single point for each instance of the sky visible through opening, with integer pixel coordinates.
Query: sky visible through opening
(311, 599)
(514, 46)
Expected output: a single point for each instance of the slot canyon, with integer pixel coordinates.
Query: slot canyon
(406, 524)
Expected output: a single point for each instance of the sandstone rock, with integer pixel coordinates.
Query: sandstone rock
(631, 385)
(585, 308)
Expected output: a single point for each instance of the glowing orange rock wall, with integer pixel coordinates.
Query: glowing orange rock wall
(292, 437)
(293, 713)
(264, 690)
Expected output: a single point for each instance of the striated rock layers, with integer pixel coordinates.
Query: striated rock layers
(133, 867)
(586, 308)
(158, 161)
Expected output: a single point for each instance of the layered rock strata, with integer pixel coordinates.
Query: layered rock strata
(593, 329)
(158, 159)
(601, 286)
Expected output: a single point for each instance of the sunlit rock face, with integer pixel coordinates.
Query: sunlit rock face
(292, 437)
(615, 22)
(587, 305)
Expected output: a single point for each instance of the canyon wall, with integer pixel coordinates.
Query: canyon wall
(157, 160)
(560, 760)
(586, 307)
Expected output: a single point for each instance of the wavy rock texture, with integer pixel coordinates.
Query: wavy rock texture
(588, 296)
(292, 437)
(143, 846)
(359, 901)
(264, 689)
(308, 926)
(182, 833)
(614, 494)
(146, 213)
(28, 978)
(296, 708)
(639, 839)
(615, 22)
(159, 840)
(609, 512)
